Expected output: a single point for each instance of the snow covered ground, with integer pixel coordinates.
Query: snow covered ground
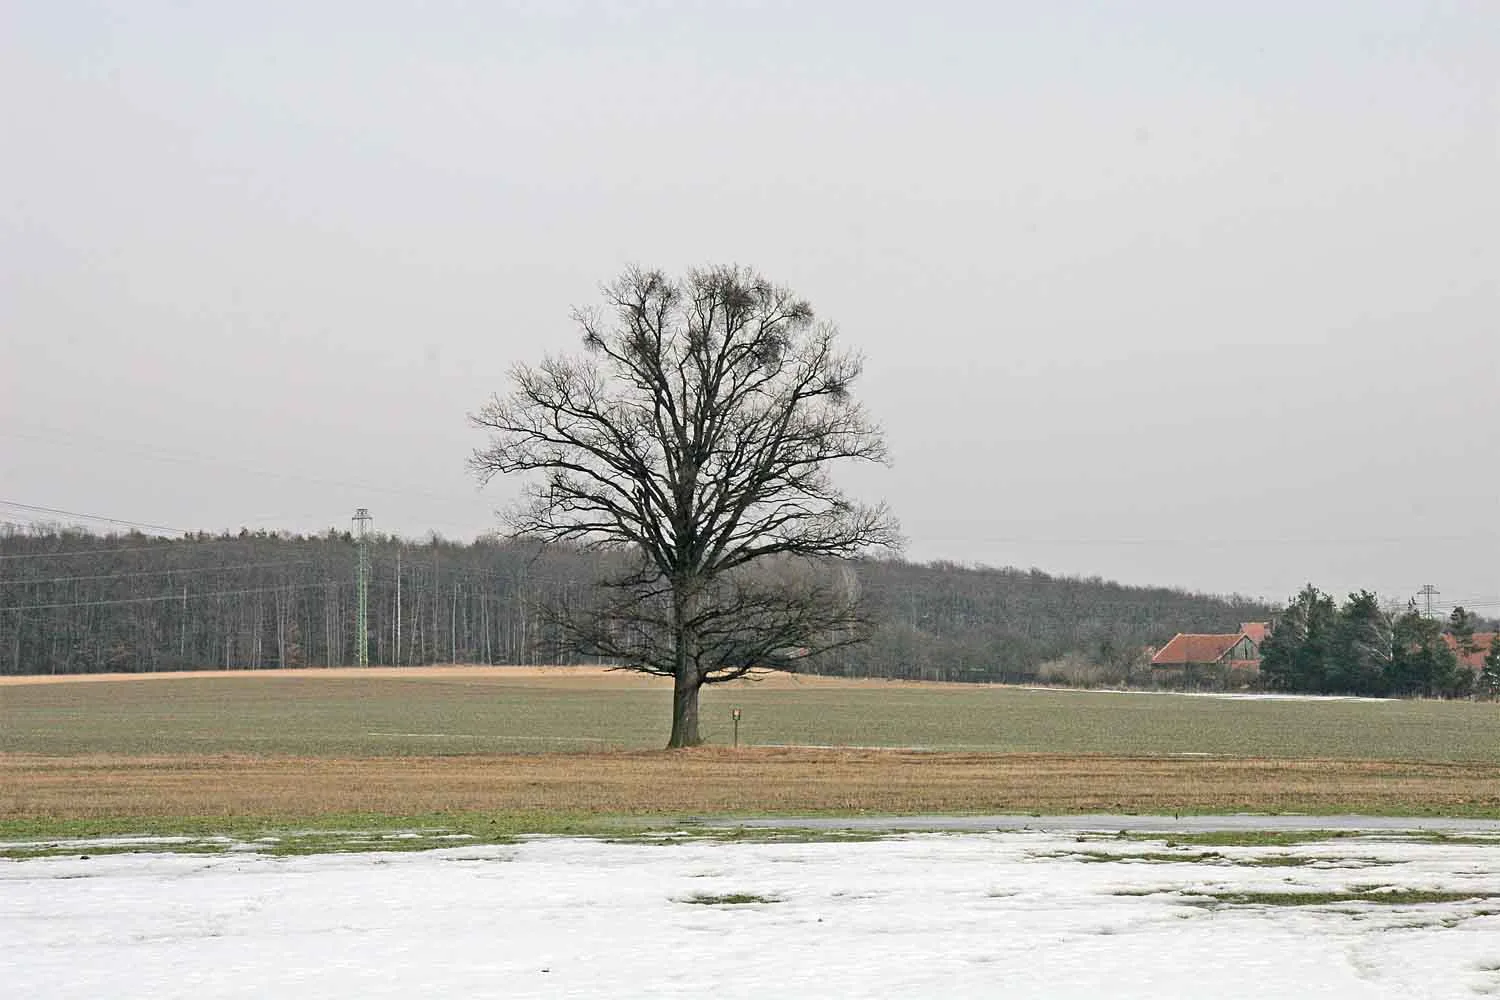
(1014, 914)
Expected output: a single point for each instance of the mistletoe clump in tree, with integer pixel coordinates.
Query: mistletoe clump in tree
(693, 438)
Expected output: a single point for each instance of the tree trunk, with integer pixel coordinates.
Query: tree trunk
(685, 688)
(686, 680)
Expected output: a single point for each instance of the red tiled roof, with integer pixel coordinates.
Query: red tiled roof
(1186, 648)
(1257, 631)
(1482, 641)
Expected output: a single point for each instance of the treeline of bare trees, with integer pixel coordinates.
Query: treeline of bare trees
(942, 621)
(72, 602)
(76, 602)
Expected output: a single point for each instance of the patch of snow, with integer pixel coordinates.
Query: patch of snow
(1115, 822)
(1228, 695)
(972, 915)
(97, 843)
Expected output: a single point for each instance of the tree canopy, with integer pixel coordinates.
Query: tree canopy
(694, 436)
(1359, 648)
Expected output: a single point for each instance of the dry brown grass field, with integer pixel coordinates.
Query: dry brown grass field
(726, 781)
(305, 744)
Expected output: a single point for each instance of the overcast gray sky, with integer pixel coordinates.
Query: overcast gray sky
(1197, 294)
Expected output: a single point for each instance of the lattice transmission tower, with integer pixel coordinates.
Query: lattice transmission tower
(1429, 592)
(362, 523)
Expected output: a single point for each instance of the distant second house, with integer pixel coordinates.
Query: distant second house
(1474, 660)
(1240, 650)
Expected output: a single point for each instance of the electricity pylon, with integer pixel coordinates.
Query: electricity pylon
(362, 522)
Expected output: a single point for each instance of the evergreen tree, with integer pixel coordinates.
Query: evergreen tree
(1278, 653)
(1422, 663)
(1296, 656)
(1461, 626)
(1362, 647)
(1489, 675)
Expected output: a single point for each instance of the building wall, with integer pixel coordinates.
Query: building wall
(1245, 649)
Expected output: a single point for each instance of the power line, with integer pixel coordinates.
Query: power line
(34, 521)
(164, 543)
(182, 457)
(92, 517)
(1215, 542)
(194, 540)
(180, 597)
(226, 568)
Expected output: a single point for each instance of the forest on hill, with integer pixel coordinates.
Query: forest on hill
(77, 602)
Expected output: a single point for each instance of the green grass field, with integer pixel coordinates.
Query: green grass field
(489, 712)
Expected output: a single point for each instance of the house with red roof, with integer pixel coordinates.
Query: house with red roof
(1239, 652)
(1475, 660)
(1233, 650)
(1257, 631)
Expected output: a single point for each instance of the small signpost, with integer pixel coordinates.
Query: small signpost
(734, 714)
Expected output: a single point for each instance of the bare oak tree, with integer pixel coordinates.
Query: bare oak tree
(694, 438)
